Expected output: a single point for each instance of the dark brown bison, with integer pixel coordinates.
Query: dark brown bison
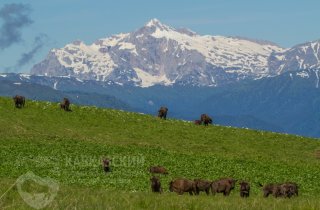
(202, 185)
(197, 122)
(244, 189)
(19, 101)
(65, 105)
(205, 119)
(106, 165)
(289, 189)
(271, 189)
(162, 113)
(224, 186)
(155, 184)
(158, 170)
(181, 186)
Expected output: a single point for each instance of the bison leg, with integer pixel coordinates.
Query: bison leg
(227, 191)
(213, 191)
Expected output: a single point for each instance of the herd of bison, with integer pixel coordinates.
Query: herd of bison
(223, 185)
(193, 187)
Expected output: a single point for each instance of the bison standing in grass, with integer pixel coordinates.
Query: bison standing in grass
(289, 189)
(162, 113)
(106, 165)
(19, 101)
(205, 119)
(224, 186)
(65, 105)
(244, 189)
(202, 185)
(158, 170)
(155, 184)
(181, 186)
(286, 190)
(271, 189)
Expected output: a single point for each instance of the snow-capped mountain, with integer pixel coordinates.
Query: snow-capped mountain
(301, 57)
(159, 54)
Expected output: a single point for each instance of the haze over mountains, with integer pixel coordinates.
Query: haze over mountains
(238, 81)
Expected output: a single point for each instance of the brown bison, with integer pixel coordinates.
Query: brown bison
(162, 113)
(205, 119)
(289, 189)
(65, 105)
(181, 186)
(271, 189)
(202, 185)
(158, 170)
(155, 184)
(244, 189)
(19, 101)
(224, 186)
(106, 164)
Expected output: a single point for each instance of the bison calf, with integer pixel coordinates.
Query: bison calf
(224, 186)
(244, 189)
(155, 184)
(181, 186)
(158, 170)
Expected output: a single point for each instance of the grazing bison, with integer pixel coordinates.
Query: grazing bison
(205, 119)
(158, 170)
(202, 185)
(197, 122)
(162, 113)
(224, 186)
(19, 101)
(244, 189)
(271, 189)
(155, 184)
(65, 105)
(181, 186)
(106, 164)
(289, 189)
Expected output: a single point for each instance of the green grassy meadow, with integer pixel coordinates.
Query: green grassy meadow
(68, 146)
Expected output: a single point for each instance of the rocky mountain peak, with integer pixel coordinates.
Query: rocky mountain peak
(159, 54)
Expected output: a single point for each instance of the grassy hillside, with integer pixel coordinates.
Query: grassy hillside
(68, 146)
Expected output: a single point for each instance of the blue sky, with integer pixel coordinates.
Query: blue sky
(54, 23)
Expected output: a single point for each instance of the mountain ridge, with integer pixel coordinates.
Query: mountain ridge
(159, 54)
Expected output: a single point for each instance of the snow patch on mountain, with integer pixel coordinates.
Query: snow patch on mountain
(146, 80)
